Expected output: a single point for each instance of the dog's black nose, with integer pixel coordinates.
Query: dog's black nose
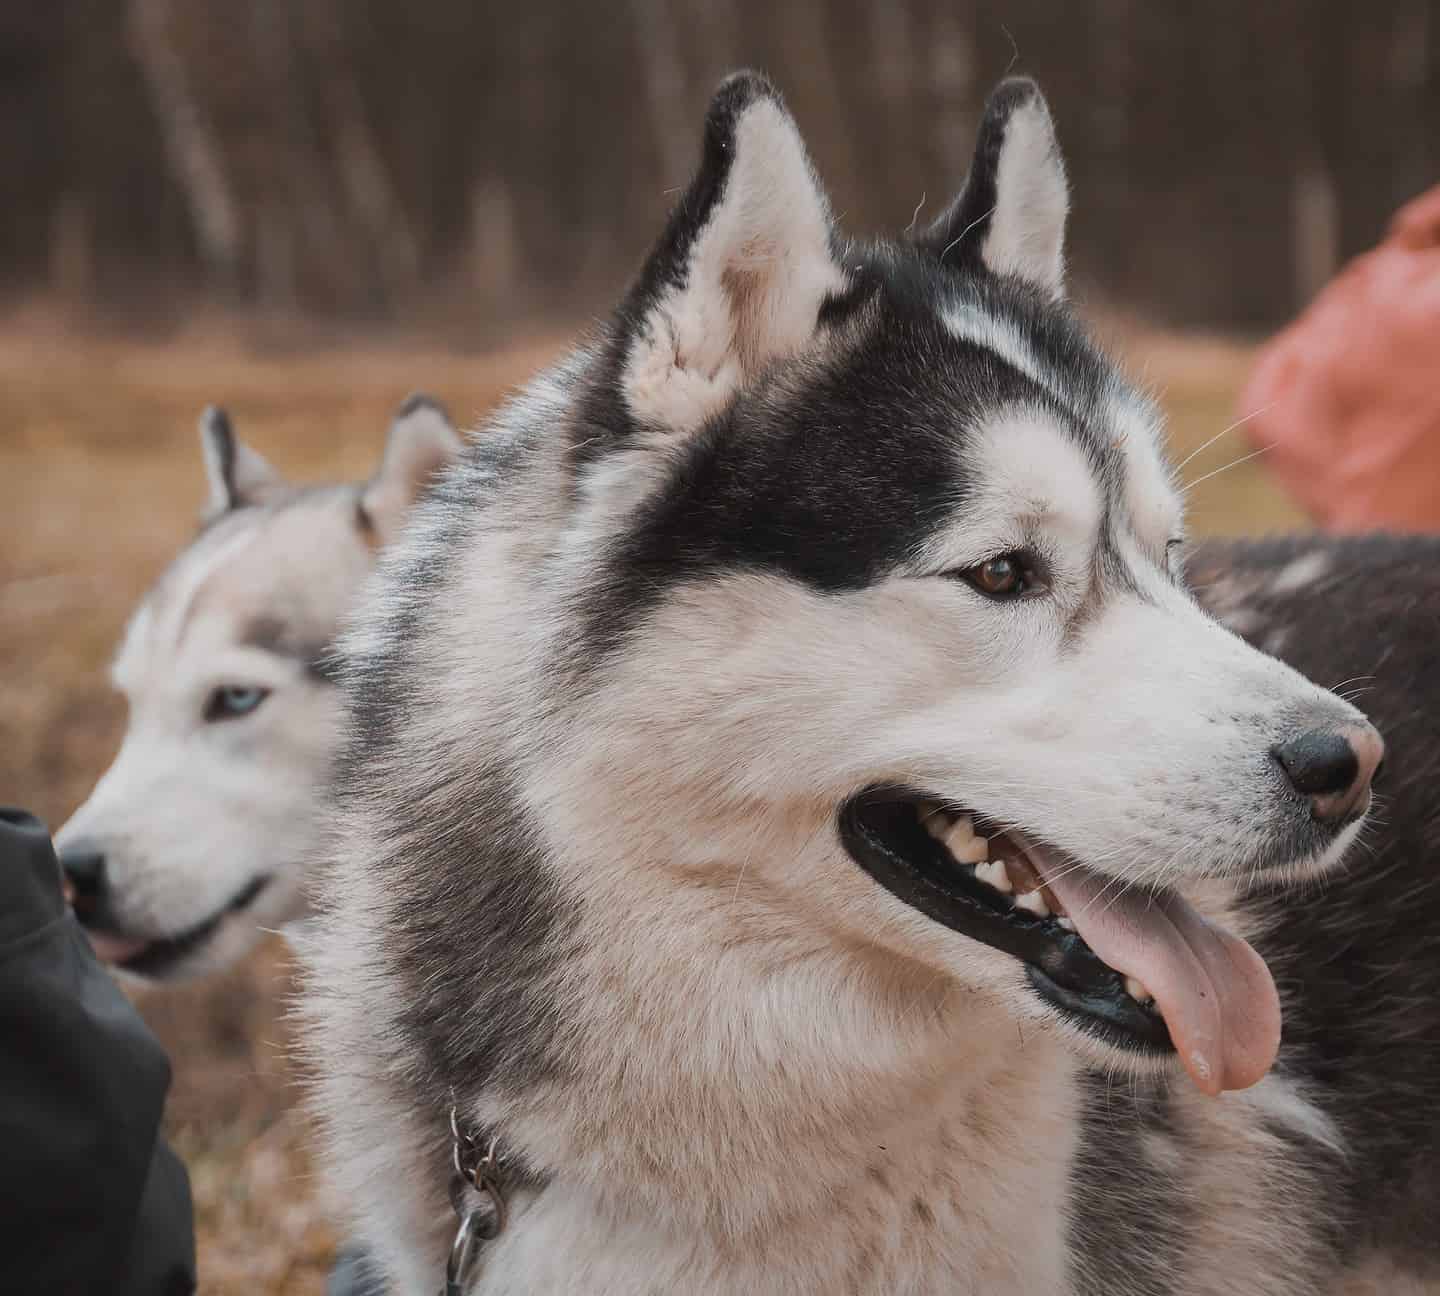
(84, 865)
(1333, 767)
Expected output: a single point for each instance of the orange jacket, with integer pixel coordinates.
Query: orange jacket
(1348, 397)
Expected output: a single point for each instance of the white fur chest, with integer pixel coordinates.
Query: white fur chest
(969, 1198)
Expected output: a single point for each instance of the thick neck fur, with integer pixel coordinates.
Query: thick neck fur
(746, 1083)
(750, 1092)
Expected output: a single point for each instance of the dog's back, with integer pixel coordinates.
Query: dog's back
(1354, 954)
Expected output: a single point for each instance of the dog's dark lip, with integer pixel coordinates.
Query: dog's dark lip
(882, 833)
(165, 953)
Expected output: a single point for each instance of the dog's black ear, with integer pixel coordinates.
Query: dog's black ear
(235, 474)
(738, 278)
(1010, 216)
(422, 441)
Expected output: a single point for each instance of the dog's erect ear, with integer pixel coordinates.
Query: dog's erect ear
(1010, 216)
(422, 441)
(235, 473)
(739, 276)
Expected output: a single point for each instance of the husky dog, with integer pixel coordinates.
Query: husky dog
(195, 838)
(793, 813)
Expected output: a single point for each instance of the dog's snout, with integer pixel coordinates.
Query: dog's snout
(1332, 767)
(83, 864)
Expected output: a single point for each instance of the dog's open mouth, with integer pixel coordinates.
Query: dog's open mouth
(1141, 970)
(154, 958)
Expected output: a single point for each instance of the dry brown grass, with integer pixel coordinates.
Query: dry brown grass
(101, 483)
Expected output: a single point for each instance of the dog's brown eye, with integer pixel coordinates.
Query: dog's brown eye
(1002, 577)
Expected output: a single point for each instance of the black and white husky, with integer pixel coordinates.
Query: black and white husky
(794, 807)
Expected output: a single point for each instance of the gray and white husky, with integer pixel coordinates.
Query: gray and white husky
(197, 836)
(795, 815)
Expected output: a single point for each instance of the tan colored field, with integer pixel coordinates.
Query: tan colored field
(100, 481)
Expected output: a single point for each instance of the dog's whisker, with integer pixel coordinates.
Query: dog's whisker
(1234, 463)
(1239, 423)
(915, 215)
(955, 242)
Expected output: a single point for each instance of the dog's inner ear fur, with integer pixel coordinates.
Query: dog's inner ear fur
(738, 278)
(1010, 216)
(422, 441)
(235, 474)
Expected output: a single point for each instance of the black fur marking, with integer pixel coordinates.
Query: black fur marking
(1355, 958)
(475, 926)
(272, 635)
(862, 288)
(1127, 1210)
(958, 235)
(747, 495)
(474, 941)
(773, 482)
(376, 694)
(221, 437)
(417, 401)
(364, 523)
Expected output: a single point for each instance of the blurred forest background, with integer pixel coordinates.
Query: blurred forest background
(478, 160)
(304, 209)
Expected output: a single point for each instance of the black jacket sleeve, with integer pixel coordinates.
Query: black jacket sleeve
(93, 1200)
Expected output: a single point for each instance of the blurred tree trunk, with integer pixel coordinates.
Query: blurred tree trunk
(363, 157)
(663, 75)
(195, 154)
(947, 112)
(373, 204)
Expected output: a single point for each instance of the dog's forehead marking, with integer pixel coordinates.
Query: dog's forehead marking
(1033, 469)
(291, 639)
(968, 321)
(275, 579)
(156, 628)
(1120, 427)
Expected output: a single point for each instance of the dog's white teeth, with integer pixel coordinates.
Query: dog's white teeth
(964, 845)
(961, 828)
(1136, 990)
(994, 874)
(1066, 923)
(1034, 902)
(936, 818)
(975, 851)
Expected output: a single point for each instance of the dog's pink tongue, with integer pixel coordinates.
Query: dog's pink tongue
(1215, 992)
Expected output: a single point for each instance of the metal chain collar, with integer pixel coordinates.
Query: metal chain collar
(476, 1198)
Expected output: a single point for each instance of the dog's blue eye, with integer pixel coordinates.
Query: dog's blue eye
(231, 700)
(999, 578)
